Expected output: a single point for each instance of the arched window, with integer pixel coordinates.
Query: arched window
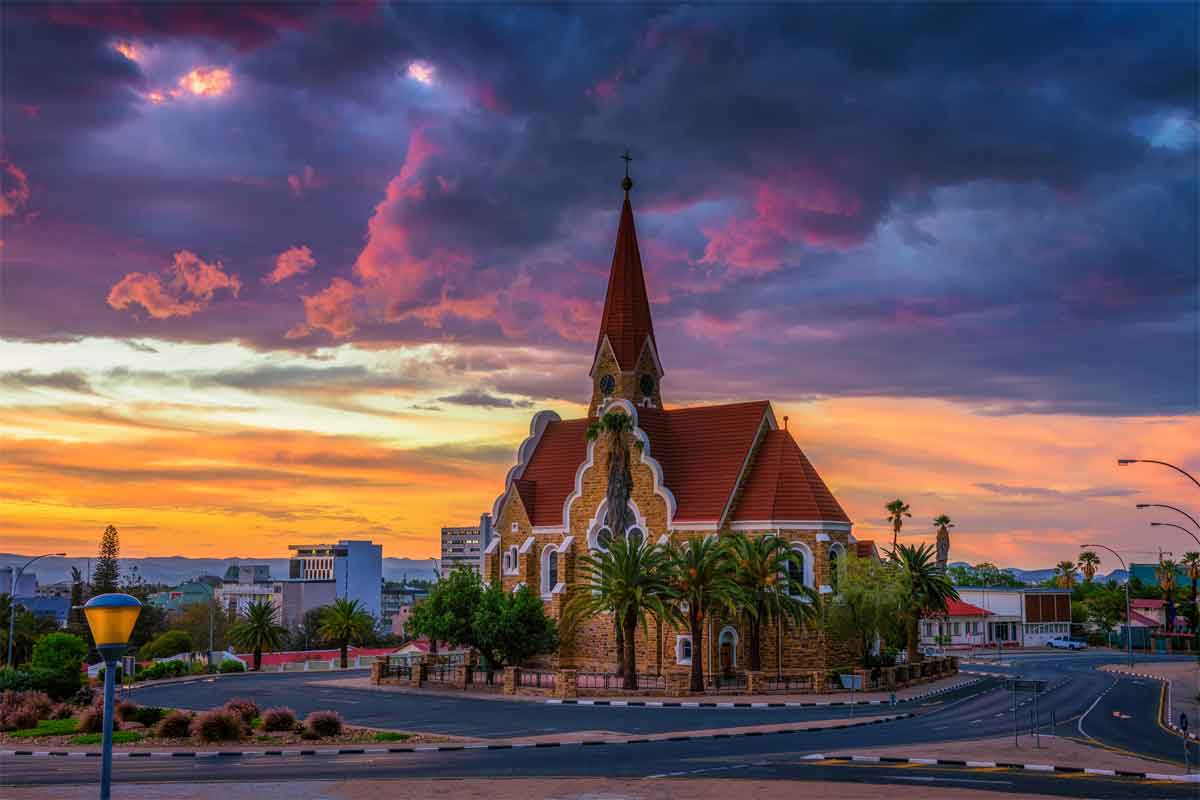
(835, 563)
(549, 569)
(511, 562)
(635, 536)
(800, 572)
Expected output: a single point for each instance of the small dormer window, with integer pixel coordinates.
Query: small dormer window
(646, 384)
(608, 385)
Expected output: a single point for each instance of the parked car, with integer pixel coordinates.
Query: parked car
(1066, 643)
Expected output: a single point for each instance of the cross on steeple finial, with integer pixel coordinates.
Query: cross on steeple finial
(627, 183)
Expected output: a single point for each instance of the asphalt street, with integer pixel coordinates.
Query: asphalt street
(1083, 703)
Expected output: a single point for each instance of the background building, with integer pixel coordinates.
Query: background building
(28, 584)
(244, 584)
(1026, 616)
(185, 594)
(354, 567)
(464, 546)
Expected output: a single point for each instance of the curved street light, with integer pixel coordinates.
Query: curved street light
(12, 603)
(1124, 462)
(1173, 525)
(1128, 605)
(1173, 508)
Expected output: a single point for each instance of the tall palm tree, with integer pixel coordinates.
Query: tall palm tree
(345, 622)
(1064, 574)
(1089, 562)
(761, 568)
(942, 525)
(1191, 560)
(702, 583)
(897, 511)
(924, 587)
(256, 630)
(628, 580)
(614, 427)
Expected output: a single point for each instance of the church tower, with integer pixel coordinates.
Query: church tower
(626, 364)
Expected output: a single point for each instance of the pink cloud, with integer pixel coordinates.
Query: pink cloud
(16, 189)
(802, 208)
(293, 261)
(331, 309)
(186, 286)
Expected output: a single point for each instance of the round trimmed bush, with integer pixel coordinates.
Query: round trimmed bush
(218, 725)
(39, 702)
(175, 725)
(91, 720)
(244, 707)
(62, 711)
(230, 665)
(279, 719)
(323, 723)
(126, 710)
(17, 718)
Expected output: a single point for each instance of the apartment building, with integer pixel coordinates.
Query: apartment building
(464, 546)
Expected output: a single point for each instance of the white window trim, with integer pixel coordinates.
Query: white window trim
(807, 576)
(512, 561)
(732, 650)
(679, 640)
(544, 570)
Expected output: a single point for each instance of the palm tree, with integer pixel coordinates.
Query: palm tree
(942, 524)
(761, 568)
(344, 622)
(1088, 563)
(1167, 571)
(897, 511)
(614, 427)
(257, 630)
(628, 580)
(1191, 560)
(1064, 574)
(702, 583)
(924, 587)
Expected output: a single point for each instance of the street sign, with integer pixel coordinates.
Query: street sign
(1183, 721)
(851, 681)
(1037, 687)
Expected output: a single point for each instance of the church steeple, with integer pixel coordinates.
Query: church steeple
(626, 361)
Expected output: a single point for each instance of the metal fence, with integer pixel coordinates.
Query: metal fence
(537, 678)
(729, 683)
(486, 680)
(439, 673)
(611, 681)
(396, 669)
(788, 684)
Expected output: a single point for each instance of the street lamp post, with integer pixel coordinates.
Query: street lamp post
(1124, 462)
(1173, 525)
(111, 618)
(12, 604)
(1128, 605)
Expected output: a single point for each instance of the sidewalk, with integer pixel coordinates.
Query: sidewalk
(877, 698)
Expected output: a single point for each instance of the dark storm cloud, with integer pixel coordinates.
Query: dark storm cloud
(481, 399)
(64, 381)
(988, 203)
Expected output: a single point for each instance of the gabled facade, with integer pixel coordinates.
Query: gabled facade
(695, 471)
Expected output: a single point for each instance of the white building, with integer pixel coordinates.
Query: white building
(1012, 617)
(353, 566)
(245, 584)
(463, 547)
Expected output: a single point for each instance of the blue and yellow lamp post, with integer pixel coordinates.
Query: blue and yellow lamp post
(111, 618)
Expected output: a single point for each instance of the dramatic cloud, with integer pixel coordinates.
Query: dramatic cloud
(481, 399)
(16, 189)
(64, 381)
(293, 261)
(331, 310)
(186, 286)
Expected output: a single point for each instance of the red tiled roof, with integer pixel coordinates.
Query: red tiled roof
(702, 450)
(1142, 619)
(550, 474)
(1141, 602)
(783, 485)
(626, 319)
(864, 548)
(957, 608)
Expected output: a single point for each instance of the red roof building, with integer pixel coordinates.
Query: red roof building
(693, 470)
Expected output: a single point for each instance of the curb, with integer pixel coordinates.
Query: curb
(954, 762)
(433, 748)
(762, 704)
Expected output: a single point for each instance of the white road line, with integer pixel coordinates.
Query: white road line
(931, 779)
(1095, 702)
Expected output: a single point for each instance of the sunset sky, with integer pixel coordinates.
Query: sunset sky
(276, 274)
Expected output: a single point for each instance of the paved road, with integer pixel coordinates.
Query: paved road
(764, 758)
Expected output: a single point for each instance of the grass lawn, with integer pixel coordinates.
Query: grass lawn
(47, 727)
(391, 736)
(119, 737)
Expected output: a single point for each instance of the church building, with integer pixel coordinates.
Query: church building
(696, 471)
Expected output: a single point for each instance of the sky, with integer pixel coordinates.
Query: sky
(287, 273)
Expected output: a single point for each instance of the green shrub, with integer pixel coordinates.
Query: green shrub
(392, 736)
(47, 727)
(164, 669)
(58, 683)
(91, 720)
(147, 716)
(119, 737)
(217, 725)
(279, 719)
(59, 651)
(168, 644)
(230, 665)
(62, 711)
(245, 708)
(15, 680)
(175, 725)
(323, 723)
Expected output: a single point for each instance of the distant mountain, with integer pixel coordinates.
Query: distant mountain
(176, 569)
(1036, 576)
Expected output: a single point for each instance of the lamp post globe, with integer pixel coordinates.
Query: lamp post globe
(111, 618)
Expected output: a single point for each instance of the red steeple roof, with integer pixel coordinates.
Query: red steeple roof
(782, 485)
(626, 321)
